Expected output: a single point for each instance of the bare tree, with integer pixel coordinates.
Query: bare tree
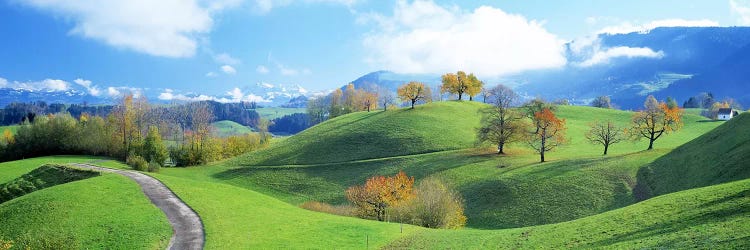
(605, 134)
(500, 124)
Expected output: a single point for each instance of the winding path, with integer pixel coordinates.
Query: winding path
(186, 224)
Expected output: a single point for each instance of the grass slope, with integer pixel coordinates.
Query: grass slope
(14, 169)
(719, 156)
(229, 128)
(237, 218)
(500, 191)
(107, 212)
(369, 135)
(270, 113)
(46, 176)
(12, 128)
(716, 217)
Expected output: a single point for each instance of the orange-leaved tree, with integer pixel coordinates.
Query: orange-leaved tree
(379, 193)
(655, 120)
(414, 91)
(549, 132)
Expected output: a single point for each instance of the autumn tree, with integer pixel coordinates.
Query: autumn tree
(549, 132)
(605, 133)
(368, 100)
(336, 108)
(414, 91)
(474, 86)
(350, 99)
(460, 84)
(655, 120)
(602, 102)
(379, 193)
(500, 125)
(8, 137)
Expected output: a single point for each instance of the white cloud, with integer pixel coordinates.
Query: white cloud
(262, 69)
(93, 90)
(423, 37)
(211, 74)
(741, 8)
(3, 82)
(46, 84)
(628, 27)
(605, 56)
(113, 92)
(225, 58)
(234, 95)
(167, 28)
(228, 70)
(265, 6)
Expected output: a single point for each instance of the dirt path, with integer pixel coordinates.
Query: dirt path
(186, 224)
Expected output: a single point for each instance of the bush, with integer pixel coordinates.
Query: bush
(342, 210)
(435, 206)
(137, 162)
(154, 167)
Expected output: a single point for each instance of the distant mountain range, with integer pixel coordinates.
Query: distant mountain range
(679, 62)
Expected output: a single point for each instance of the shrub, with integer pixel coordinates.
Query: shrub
(137, 162)
(342, 210)
(154, 167)
(435, 206)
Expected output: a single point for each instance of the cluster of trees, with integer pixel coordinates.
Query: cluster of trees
(341, 102)
(431, 204)
(289, 124)
(460, 84)
(710, 105)
(132, 131)
(536, 123)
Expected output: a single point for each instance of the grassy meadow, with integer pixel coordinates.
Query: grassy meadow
(695, 181)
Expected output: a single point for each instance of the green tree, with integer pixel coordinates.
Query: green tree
(154, 149)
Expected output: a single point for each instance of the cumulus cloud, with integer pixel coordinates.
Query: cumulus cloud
(93, 90)
(742, 9)
(113, 92)
(167, 28)
(423, 37)
(3, 82)
(628, 27)
(604, 56)
(262, 69)
(228, 70)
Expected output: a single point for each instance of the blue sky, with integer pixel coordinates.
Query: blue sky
(227, 48)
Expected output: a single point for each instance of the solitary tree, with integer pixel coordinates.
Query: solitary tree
(460, 83)
(602, 102)
(474, 86)
(605, 134)
(368, 99)
(655, 120)
(386, 98)
(380, 192)
(500, 124)
(550, 132)
(414, 91)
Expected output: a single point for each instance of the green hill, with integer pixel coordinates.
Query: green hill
(500, 191)
(47, 175)
(369, 135)
(719, 156)
(105, 212)
(227, 128)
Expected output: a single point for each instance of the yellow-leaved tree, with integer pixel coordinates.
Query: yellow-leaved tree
(379, 193)
(413, 92)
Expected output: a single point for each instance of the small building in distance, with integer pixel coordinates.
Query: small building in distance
(725, 114)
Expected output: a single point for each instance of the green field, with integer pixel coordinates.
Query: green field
(108, 211)
(12, 128)
(271, 113)
(229, 128)
(696, 180)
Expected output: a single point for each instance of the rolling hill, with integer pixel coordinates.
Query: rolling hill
(369, 135)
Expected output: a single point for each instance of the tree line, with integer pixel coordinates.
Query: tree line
(133, 131)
